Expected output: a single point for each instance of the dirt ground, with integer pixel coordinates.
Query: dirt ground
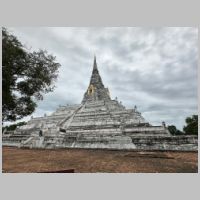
(90, 161)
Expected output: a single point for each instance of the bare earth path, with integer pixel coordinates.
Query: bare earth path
(83, 160)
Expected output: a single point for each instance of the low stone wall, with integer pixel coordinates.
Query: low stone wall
(149, 129)
(11, 144)
(108, 141)
(183, 143)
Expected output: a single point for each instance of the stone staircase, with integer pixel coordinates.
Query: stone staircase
(66, 123)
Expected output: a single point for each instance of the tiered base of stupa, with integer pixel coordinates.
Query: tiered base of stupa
(97, 125)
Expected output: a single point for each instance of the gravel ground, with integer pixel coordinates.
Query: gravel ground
(104, 161)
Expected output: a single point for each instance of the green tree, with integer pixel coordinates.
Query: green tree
(174, 131)
(191, 127)
(26, 77)
(12, 127)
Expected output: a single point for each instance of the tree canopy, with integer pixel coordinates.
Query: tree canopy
(174, 131)
(26, 77)
(12, 127)
(191, 127)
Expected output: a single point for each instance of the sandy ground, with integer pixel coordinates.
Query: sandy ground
(83, 160)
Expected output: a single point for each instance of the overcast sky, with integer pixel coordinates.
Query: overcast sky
(153, 68)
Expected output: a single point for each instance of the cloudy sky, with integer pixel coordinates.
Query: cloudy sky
(153, 68)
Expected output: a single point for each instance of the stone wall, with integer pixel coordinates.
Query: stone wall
(183, 143)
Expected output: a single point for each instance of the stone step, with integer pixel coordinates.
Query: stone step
(99, 131)
(156, 129)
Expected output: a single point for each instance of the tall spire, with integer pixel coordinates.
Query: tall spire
(95, 63)
(95, 69)
(95, 79)
(96, 89)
